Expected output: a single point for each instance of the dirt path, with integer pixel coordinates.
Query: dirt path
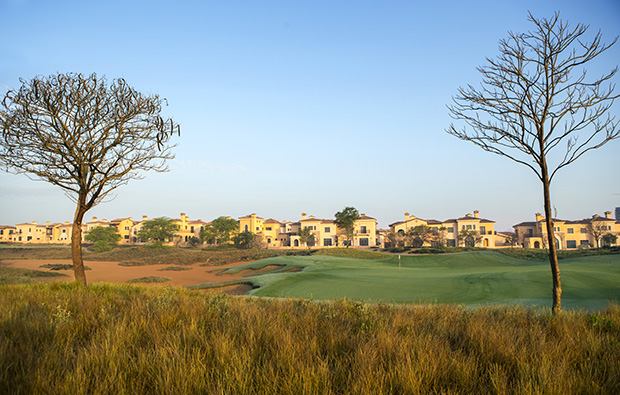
(102, 271)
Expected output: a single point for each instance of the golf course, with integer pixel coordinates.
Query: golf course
(475, 278)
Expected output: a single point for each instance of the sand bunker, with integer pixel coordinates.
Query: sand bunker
(104, 271)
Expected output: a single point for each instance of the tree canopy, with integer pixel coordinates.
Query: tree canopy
(538, 106)
(345, 220)
(220, 230)
(103, 237)
(306, 237)
(84, 135)
(158, 230)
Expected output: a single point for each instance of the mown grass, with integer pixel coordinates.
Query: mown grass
(58, 338)
(535, 254)
(475, 278)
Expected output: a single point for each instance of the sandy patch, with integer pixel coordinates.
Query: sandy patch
(112, 272)
(265, 269)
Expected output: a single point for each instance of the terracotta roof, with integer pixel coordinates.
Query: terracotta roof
(366, 217)
(250, 216)
(120, 219)
(271, 221)
(504, 234)
(467, 217)
(526, 224)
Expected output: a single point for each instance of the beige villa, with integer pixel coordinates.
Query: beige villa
(326, 233)
(448, 231)
(584, 233)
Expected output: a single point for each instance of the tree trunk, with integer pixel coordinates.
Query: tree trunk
(76, 242)
(553, 255)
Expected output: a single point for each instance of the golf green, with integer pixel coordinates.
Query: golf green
(467, 278)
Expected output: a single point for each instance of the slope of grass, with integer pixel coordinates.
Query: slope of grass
(12, 275)
(129, 339)
(469, 278)
(535, 254)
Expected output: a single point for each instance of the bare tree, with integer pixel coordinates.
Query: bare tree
(536, 97)
(85, 136)
(596, 229)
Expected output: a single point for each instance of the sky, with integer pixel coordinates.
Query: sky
(304, 106)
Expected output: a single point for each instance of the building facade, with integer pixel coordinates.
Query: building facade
(569, 234)
(467, 231)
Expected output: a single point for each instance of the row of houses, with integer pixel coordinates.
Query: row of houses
(469, 230)
(60, 233)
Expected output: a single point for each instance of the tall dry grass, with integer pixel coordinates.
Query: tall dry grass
(57, 338)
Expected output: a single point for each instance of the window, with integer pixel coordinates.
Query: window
(328, 230)
(570, 231)
(585, 243)
(364, 241)
(529, 232)
(583, 230)
(468, 227)
(450, 229)
(571, 243)
(257, 228)
(126, 237)
(556, 228)
(246, 228)
(451, 243)
(327, 242)
(191, 229)
(474, 226)
(483, 230)
(363, 229)
(268, 228)
(29, 238)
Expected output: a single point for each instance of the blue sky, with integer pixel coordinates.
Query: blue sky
(303, 106)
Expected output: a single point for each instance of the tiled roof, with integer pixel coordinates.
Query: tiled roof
(526, 224)
(271, 221)
(250, 216)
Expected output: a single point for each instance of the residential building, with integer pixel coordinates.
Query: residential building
(584, 233)
(187, 229)
(326, 233)
(123, 227)
(7, 233)
(447, 232)
(30, 233)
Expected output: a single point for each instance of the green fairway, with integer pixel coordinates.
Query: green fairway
(467, 278)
